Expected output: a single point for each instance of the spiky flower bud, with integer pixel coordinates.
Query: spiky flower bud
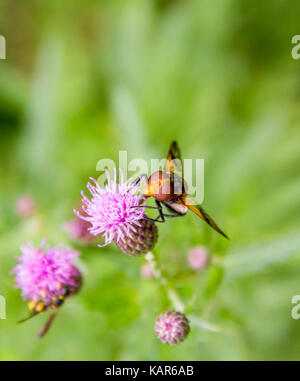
(25, 206)
(172, 327)
(147, 271)
(141, 240)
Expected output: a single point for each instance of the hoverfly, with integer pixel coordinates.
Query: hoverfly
(37, 307)
(169, 188)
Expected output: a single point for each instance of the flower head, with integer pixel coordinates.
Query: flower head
(114, 211)
(46, 273)
(198, 258)
(78, 229)
(25, 206)
(172, 327)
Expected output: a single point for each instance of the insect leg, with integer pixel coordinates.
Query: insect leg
(144, 206)
(159, 208)
(160, 211)
(161, 214)
(153, 219)
(174, 215)
(160, 217)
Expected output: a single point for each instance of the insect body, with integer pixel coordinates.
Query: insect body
(38, 306)
(169, 188)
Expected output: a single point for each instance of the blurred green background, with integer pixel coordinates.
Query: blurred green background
(83, 80)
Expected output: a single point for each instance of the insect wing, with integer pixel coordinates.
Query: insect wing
(197, 209)
(174, 163)
(174, 168)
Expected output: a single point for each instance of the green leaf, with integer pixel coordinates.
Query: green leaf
(202, 324)
(256, 258)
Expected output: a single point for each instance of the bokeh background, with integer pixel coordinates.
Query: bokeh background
(85, 79)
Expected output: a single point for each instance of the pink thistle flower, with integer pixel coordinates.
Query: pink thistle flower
(78, 229)
(45, 273)
(172, 327)
(146, 271)
(25, 206)
(115, 212)
(198, 258)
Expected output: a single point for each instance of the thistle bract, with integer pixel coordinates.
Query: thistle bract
(172, 327)
(141, 240)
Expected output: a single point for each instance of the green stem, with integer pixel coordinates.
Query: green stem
(172, 294)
